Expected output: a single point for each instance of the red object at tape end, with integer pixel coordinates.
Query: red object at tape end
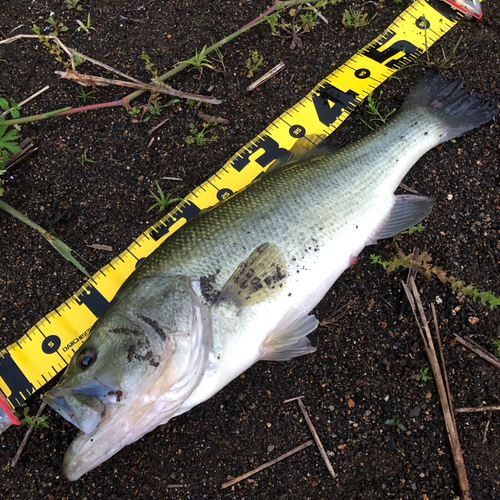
(5, 406)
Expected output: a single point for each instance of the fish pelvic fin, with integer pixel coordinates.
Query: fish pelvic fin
(291, 341)
(260, 277)
(408, 210)
(456, 108)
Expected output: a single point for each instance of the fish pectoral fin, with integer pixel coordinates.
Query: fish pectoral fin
(290, 342)
(408, 210)
(260, 277)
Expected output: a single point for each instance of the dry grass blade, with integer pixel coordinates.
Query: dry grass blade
(416, 303)
(472, 410)
(268, 464)
(265, 77)
(160, 89)
(316, 438)
(59, 245)
(479, 350)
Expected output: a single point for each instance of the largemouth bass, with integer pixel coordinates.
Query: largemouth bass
(236, 285)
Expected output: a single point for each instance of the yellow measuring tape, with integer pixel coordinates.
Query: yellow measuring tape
(47, 348)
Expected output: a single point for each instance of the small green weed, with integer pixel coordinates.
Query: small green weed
(78, 60)
(199, 60)
(9, 139)
(53, 48)
(26, 418)
(424, 374)
(200, 137)
(419, 228)
(149, 65)
(84, 95)
(304, 19)
(352, 18)
(253, 63)
(162, 201)
(57, 27)
(396, 422)
(72, 4)
(87, 26)
(373, 107)
(84, 159)
(134, 112)
(220, 57)
(422, 265)
(496, 346)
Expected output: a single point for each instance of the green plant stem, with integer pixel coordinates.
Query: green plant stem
(61, 112)
(60, 246)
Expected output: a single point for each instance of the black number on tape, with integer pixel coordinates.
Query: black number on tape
(297, 131)
(51, 344)
(271, 148)
(330, 102)
(410, 51)
(222, 194)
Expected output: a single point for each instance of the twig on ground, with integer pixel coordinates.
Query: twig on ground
(160, 89)
(293, 399)
(443, 364)
(408, 188)
(97, 246)
(213, 119)
(316, 438)
(265, 77)
(30, 430)
(480, 351)
(172, 179)
(486, 428)
(268, 464)
(27, 147)
(472, 410)
(414, 297)
(156, 127)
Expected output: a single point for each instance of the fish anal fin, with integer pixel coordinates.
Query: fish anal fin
(408, 210)
(291, 341)
(260, 277)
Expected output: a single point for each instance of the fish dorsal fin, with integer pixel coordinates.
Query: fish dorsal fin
(301, 151)
(408, 210)
(260, 277)
(291, 341)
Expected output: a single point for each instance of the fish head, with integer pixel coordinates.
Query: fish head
(134, 370)
(117, 363)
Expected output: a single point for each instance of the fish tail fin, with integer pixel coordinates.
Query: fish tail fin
(456, 108)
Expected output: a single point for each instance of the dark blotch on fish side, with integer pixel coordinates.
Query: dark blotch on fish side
(208, 290)
(154, 325)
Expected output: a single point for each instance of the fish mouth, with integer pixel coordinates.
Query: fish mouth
(83, 405)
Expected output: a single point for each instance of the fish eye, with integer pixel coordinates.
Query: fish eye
(86, 358)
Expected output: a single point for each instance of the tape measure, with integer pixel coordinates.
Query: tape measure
(47, 348)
